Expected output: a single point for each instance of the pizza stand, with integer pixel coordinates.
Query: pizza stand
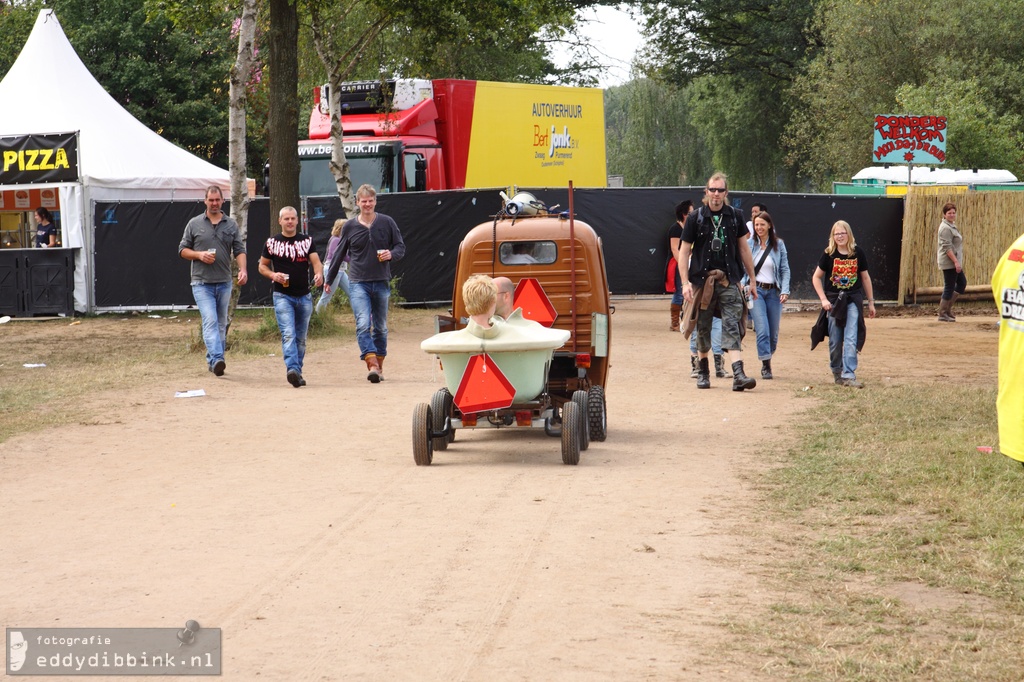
(67, 151)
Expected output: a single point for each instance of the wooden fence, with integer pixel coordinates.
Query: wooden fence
(988, 221)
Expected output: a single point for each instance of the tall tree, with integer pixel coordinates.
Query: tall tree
(137, 53)
(957, 59)
(737, 60)
(651, 140)
(283, 114)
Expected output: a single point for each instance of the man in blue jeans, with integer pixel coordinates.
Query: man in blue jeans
(285, 261)
(209, 241)
(371, 240)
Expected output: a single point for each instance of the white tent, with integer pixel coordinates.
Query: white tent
(119, 157)
(930, 175)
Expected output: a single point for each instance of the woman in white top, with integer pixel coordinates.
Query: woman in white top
(771, 274)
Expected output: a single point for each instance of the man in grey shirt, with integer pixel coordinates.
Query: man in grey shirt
(210, 241)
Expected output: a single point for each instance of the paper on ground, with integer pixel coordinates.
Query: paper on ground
(194, 393)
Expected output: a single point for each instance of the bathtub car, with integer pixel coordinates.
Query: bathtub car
(552, 366)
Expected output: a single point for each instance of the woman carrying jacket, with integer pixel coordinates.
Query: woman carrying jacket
(771, 267)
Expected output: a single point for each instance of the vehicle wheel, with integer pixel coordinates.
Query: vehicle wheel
(422, 443)
(571, 428)
(597, 414)
(580, 398)
(441, 407)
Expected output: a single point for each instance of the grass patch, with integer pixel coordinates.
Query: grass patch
(906, 543)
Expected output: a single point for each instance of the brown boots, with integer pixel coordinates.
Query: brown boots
(373, 364)
(675, 310)
(944, 310)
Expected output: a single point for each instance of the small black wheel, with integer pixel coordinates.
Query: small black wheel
(572, 426)
(422, 443)
(580, 398)
(441, 407)
(597, 414)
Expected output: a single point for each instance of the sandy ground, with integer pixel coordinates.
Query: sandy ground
(297, 522)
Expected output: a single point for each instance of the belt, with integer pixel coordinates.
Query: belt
(762, 285)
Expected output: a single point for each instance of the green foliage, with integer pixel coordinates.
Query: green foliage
(650, 136)
(174, 81)
(16, 21)
(953, 58)
(977, 136)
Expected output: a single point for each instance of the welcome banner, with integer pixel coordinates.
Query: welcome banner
(26, 159)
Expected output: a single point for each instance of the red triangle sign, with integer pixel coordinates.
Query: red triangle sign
(483, 387)
(535, 303)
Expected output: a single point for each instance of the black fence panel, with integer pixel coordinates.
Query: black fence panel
(137, 242)
(136, 253)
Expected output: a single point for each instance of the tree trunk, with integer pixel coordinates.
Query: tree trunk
(283, 118)
(240, 74)
(339, 163)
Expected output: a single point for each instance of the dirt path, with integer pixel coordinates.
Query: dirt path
(297, 522)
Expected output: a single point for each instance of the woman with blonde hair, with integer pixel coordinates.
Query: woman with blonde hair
(842, 281)
(341, 279)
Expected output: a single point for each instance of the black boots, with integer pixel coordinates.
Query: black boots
(740, 381)
(720, 368)
(703, 374)
(766, 369)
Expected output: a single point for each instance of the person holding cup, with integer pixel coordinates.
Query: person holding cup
(209, 241)
(285, 261)
(371, 241)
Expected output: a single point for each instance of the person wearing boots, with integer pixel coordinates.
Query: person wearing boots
(771, 277)
(683, 209)
(716, 347)
(372, 241)
(951, 262)
(716, 238)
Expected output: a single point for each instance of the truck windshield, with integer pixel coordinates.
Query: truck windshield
(315, 178)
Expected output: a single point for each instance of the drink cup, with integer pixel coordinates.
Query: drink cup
(380, 254)
(750, 302)
(287, 279)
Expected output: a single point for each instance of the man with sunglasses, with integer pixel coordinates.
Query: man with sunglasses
(716, 238)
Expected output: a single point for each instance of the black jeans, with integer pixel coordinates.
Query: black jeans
(953, 279)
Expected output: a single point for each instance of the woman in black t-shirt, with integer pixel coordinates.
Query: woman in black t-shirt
(842, 280)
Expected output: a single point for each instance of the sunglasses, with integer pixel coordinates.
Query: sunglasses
(717, 190)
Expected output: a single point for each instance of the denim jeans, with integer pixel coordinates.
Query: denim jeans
(716, 338)
(766, 315)
(370, 306)
(677, 296)
(213, 301)
(293, 314)
(842, 343)
(341, 280)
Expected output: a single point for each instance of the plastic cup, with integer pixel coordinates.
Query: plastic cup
(287, 280)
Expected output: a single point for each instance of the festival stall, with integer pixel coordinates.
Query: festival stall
(66, 144)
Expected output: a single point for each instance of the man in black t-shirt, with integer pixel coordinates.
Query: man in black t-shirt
(716, 237)
(285, 261)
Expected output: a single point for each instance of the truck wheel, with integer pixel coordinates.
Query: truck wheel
(441, 407)
(422, 443)
(597, 414)
(572, 426)
(580, 398)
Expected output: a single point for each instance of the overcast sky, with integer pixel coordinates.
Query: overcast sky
(615, 37)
